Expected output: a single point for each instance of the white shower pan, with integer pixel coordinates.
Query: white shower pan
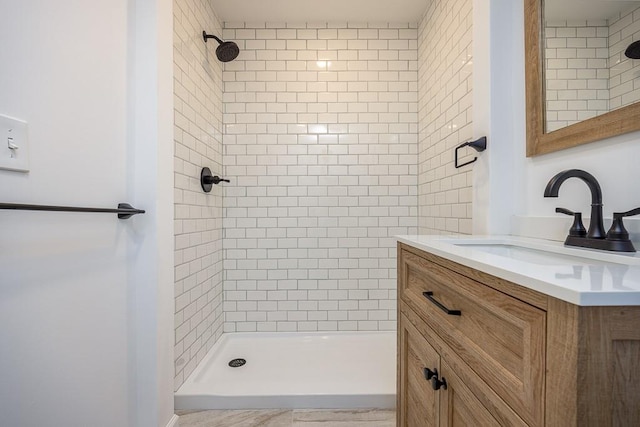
(295, 370)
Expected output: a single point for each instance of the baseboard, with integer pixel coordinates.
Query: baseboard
(173, 422)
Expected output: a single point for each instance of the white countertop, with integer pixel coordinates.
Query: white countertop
(579, 276)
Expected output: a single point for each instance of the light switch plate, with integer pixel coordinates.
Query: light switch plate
(14, 145)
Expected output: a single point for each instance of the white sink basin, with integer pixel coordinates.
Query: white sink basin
(540, 252)
(530, 255)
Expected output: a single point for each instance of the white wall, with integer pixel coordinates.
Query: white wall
(198, 223)
(150, 183)
(79, 291)
(498, 105)
(612, 161)
(320, 146)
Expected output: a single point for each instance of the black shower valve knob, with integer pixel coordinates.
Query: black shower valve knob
(207, 179)
(215, 180)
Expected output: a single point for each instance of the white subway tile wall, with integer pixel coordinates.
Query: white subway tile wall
(577, 71)
(445, 116)
(320, 144)
(198, 216)
(624, 83)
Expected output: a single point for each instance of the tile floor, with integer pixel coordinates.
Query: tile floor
(289, 418)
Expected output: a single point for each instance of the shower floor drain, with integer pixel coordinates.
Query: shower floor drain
(236, 363)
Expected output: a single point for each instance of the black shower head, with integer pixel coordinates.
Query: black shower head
(227, 51)
(633, 51)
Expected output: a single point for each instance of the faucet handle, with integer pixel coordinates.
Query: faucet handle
(577, 229)
(617, 230)
(632, 212)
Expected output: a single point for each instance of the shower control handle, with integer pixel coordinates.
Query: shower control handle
(214, 180)
(207, 179)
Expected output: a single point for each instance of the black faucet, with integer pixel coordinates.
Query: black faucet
(596, 226)
(617, 239)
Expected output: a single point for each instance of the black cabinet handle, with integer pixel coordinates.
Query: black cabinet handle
(436, 384)
(432, 376)
(429, 295)
(428, 373)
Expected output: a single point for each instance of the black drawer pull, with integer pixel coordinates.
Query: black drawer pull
(429, 295)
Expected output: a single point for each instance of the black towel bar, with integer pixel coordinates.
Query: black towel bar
(124, 210)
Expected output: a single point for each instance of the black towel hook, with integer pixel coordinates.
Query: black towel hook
(479, 145)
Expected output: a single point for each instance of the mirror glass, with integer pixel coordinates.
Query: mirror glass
(586, 71)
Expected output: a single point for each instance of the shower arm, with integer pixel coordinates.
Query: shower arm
(206, 36)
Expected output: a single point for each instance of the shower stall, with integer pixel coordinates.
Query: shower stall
(291, 265)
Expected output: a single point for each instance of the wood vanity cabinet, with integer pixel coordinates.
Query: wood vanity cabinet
(509, 356)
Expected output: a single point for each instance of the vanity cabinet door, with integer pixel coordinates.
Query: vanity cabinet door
(461, 407)
(417, 401)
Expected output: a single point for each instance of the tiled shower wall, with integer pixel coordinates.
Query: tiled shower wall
(445, 107)
(576, 71)
(321, 149)
(198, 216)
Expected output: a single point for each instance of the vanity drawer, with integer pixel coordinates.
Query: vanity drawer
(500, 337)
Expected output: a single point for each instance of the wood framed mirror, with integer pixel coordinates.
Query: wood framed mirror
(620, 119)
